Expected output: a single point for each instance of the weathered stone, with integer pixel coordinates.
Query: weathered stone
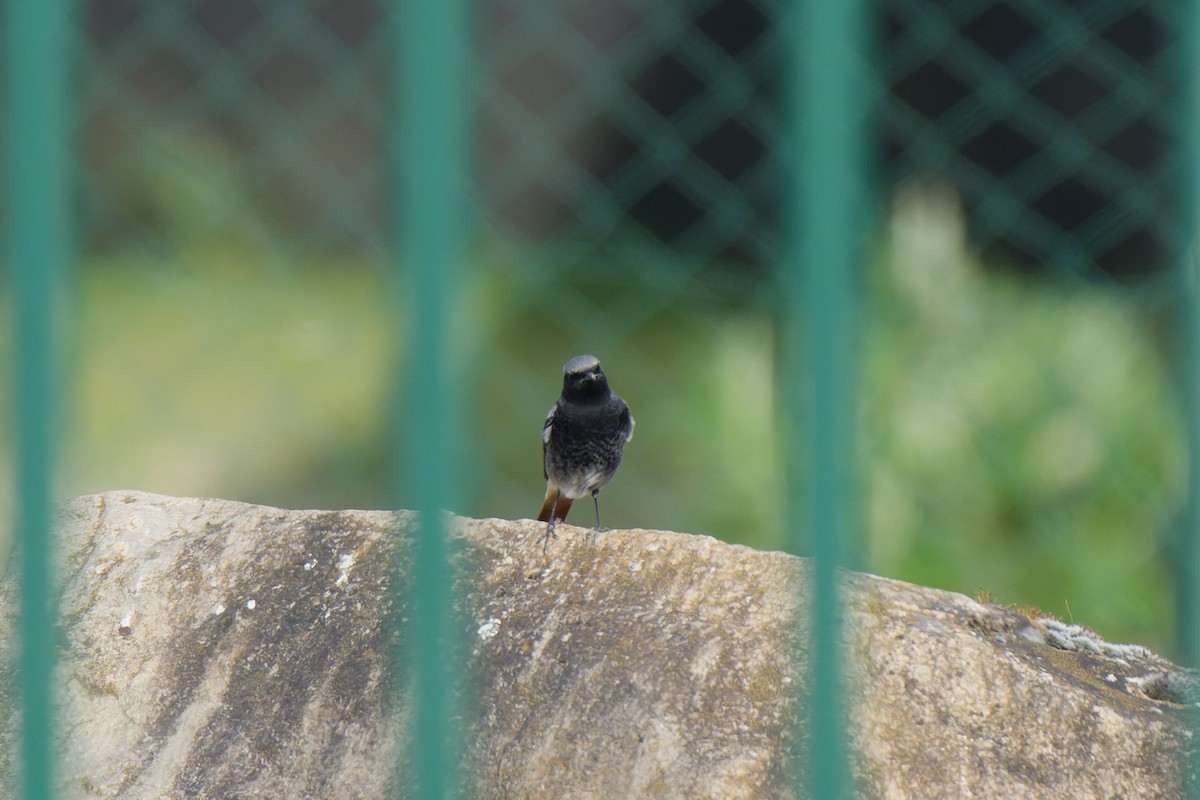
(217, 649)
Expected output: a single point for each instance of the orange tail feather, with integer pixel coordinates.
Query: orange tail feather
(560, 510)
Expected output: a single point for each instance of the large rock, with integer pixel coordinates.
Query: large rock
(218, 650)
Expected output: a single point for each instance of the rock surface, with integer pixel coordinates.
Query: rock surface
(218, 649)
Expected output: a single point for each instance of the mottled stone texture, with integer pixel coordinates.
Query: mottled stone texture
(221, 650)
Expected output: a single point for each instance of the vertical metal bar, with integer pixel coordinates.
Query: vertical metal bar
(826, 227)
(432, 102)
(1187, 150)
(39, 246)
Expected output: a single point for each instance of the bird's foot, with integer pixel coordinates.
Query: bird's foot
(598, 529)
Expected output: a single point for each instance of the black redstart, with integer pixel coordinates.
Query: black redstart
(582, 440)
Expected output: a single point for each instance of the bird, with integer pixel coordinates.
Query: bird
(582, 441)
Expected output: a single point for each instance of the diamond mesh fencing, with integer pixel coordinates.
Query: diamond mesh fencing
(1018, 431)
(1016, 400)
(1054, 120)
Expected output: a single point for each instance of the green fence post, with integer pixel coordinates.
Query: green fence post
(39, 247)
(826, 178)
(431, 100)
(1187, 273)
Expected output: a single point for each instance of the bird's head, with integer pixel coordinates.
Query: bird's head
(583, 379)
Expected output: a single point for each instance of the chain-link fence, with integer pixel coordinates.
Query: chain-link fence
(627, 202)
(1018, 428)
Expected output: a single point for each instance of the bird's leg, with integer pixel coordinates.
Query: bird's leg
(596, 529)
(551, 525)
(550, 533)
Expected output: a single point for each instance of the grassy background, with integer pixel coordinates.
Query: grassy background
(1017, 437)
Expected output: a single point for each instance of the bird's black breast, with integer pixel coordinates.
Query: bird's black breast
(586, 441)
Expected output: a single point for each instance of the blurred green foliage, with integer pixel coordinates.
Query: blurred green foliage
(1017, 436)
(228, 380)
(1022, 437)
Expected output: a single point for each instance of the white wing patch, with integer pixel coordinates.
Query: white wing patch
(548, 424)
(629, 436)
